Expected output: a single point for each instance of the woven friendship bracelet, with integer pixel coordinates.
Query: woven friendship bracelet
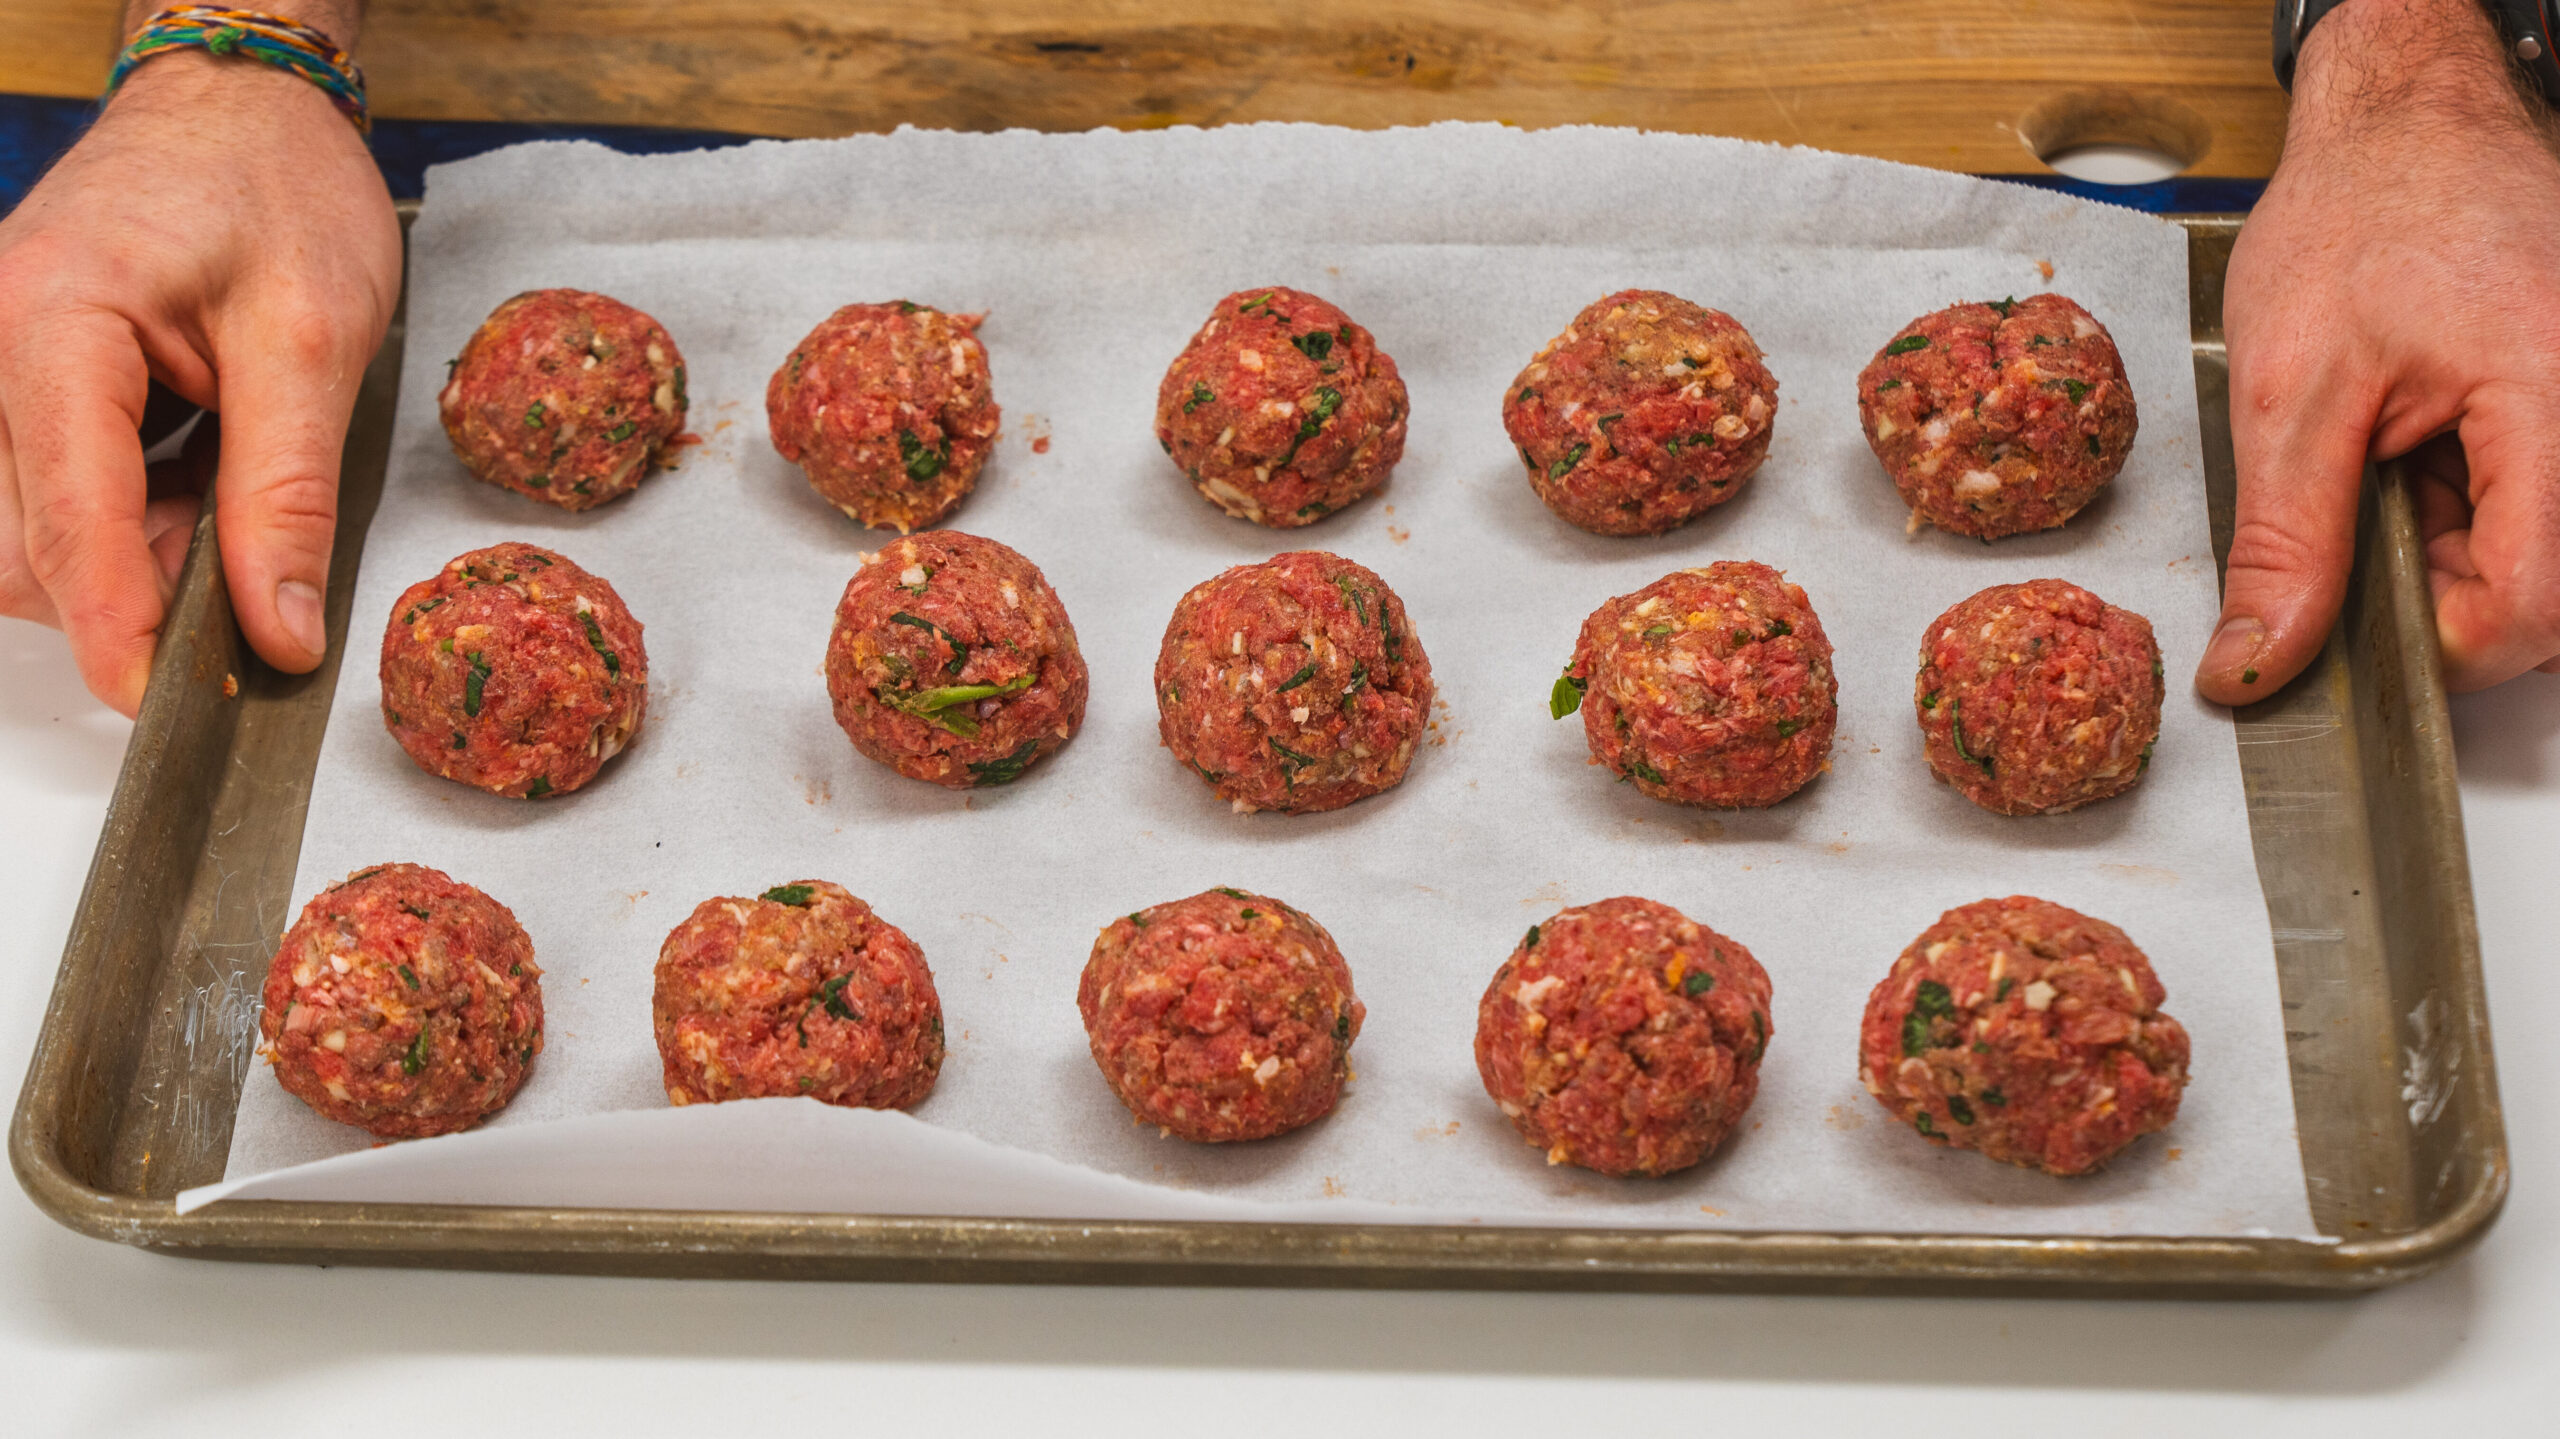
(269, 39)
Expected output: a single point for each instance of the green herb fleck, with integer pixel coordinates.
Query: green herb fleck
(423, 607)
(1563, 467)
(831, 995)
(2146, 757)
(541, 786)
(1315, 344)
(416, 1058)
(2003, 991)
(2075, 389)
(1605, 421)
(2004, 307)
(1566, 697)
(1931, 1002)
(1342, 1027)
(907, 307)
(921, 463)
(1351, 595)
(1328, 400)
(2094, 449)
(1777, 628)
(1200, 395)
(959, 651)
(1530, 940)
(1137, 919)
(1788, 727)
(1657, 632)
(1301, 677)
(791, 894)
(1696, 982)
(620, 432)
(1007, 769)
(595, 637)
(533, 417)
(1995, 1099)
(2249, 676)
(408, 975)
(1922, 1124)
(1888, 385)
(1640, 770)
(1233, 893)
(1526, 395)
(1955, 726)
(1759, 1036)
(1907, 344)
(473, 683)
(1312, 509)
(459, 742)
(1257, 302)
(1962, 1111)
(1290, 762)
(1249, 914)
(679, 387)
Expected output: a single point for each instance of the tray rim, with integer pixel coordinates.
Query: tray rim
(942, 1249)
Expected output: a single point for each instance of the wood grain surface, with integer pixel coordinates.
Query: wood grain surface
(1949, 83)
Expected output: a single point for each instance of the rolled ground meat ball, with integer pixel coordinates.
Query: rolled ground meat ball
(1710, 686)
(953, 661)
(1223, 1016)
(564, 396)
(1282, 410)
(2027, 1031)
(513, 671)
(1647, 411)
(403, 1002)
(1624, 1037)
(801, 990)
(1999, 419)
(2039, 697)
(889, 410)
(1295, 685)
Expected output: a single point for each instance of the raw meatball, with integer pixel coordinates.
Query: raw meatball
(890, 411)
(802, 990)
(953, 661)
(1294, 685)
(1710, 686)
(1281, 410)
(2027, 1031)
(403, 1002)
(1646, 412)
(1624, 1037)
(1998, 419)
(1223, 1016)
(564, 396)
(2037, 698)
(513, 671)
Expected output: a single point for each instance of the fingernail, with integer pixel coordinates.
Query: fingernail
(2235, 647)
(298, 608)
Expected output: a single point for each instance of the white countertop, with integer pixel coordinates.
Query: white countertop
(97, 1339)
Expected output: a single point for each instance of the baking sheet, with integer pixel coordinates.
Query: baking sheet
(1463, 248)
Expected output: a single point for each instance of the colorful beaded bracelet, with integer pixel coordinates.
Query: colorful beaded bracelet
(270, 39)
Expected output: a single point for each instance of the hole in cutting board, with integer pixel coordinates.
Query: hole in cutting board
(2115, 137)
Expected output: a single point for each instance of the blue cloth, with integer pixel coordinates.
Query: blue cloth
(36, 129)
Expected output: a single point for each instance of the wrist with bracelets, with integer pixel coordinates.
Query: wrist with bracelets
(252, 35)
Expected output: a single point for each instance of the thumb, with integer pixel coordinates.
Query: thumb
(287, 389)
(2300, 445)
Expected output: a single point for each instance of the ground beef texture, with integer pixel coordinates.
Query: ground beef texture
(403, 1002)
(513, 670)
(565, 397)
(2039, 697)
(1710, 686)
(1295, 685)
(1624, 1037)
(2026, 1031)
(801, 990)
(1225, 1016)
(1282, 409)
(953, 661)
(1645, 413)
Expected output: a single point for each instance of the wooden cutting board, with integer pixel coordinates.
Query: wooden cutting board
(1978, 85)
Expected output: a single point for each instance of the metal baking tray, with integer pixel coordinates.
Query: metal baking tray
(2352, 806)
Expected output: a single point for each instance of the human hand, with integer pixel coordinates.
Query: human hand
(221, 230)
(2400, 280)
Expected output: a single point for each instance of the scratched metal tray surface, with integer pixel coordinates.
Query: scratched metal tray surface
(2353, 812)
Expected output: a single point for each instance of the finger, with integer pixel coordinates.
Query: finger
(2503, 617)
(288, 387)
(72, 389)
(2299, 435)
(21, 598)
(2440, 491)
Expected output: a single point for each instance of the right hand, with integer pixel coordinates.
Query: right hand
(223, 231)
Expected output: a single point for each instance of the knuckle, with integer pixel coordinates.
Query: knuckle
(298, 507)
(2268, 547)
(55, 528)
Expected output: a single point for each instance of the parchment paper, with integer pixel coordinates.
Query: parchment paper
(1463, 248)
